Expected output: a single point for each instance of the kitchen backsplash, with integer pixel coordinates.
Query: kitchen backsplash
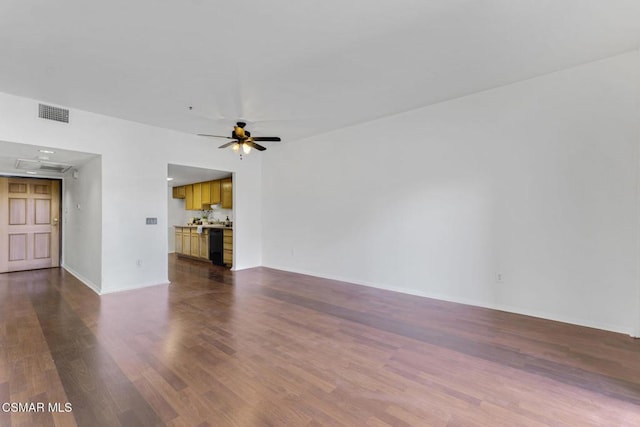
(216, 214)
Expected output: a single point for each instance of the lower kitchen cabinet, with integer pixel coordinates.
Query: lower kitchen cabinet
(186, 242)
(204, 244)
(192, 244)
(227, 247)
(178, 240)
(195, 244)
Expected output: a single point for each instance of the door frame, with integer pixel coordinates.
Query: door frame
(60, 207)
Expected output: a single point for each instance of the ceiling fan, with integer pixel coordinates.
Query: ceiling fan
(242, 141)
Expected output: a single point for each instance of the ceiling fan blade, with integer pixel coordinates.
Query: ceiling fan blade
(266, 138)
(228, 144)
(215, 136)
(254, 145)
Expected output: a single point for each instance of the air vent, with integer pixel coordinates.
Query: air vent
(39, 165)
(53, 113)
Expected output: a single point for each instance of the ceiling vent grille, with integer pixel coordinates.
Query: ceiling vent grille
(53, 113)
(39, 165)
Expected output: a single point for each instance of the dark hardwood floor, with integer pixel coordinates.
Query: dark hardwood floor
(263, 347)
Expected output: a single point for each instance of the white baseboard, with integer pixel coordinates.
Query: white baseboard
(133, 287)
(98, 290)
(88, 283)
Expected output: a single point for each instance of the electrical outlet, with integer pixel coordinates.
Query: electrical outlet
(500, 278)
(139, 263)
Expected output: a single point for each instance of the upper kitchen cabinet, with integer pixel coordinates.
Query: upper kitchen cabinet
(205, 190)
(197, 196)
(210, 193)
(179, 192)
(188, 199)
(201, 195)
(226, 190)
(215, 192)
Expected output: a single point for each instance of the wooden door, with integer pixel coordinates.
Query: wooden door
(29, 223)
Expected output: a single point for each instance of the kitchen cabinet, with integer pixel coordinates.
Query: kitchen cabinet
(192, 244)
(178, 240)
(195, 244)
(179, 192)
(227, 247)
(210, 191)
(215, 192)
(205, 190)
(202, 195)
(197, 196)
(203, 244)
(226, 190)
(186, 242)
(188, 197)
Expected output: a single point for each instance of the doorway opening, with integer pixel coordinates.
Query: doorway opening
(77, 246)
(30, 235)
(198, 201)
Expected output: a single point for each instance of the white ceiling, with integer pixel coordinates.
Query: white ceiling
(188, 175)
(292, 68)
(10, 152)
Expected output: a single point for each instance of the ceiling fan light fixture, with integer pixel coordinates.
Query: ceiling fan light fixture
(241, 140)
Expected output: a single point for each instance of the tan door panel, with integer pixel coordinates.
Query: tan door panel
(29, 223)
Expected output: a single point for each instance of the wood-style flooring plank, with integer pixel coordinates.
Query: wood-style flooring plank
(266, 347)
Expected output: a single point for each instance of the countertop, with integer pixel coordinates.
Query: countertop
(206, 226)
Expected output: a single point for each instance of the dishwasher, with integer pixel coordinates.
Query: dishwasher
(215, 246)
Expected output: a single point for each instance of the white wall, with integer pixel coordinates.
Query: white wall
(536, 181)
(82, 223)
(134, 186)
